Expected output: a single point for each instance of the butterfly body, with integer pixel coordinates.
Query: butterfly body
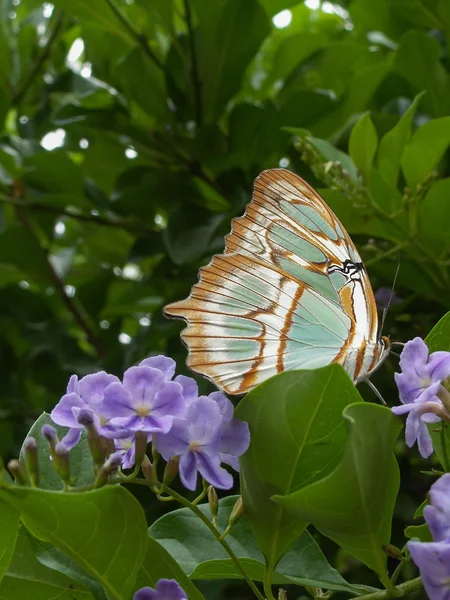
(289, 292)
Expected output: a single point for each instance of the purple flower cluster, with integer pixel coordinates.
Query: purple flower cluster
(200, 430)
(423, 392)
(433, 558)
(166, 589)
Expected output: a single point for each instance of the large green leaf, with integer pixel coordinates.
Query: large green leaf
(393, 143)
(9, 524)
(425, 149)
(418, 59)
(354, 505)
(363, 145)
(297, 436)
(439, 336)
(28, 578)
(103, 531)
(160, 564)
(222, 60)
(193, 546)
(81, 464)
(434, 216)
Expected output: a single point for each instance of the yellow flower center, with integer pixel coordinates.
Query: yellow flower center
(142, 410)
(194, 446)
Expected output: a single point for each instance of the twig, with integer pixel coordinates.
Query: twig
(20, 94)
(140, 39)
(403, 589)
(70, 303)
(196, 84)
(98, 220)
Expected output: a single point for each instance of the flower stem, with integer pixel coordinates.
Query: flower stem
(445, 462)
(402, 590)
(217, 535)
(268, 584)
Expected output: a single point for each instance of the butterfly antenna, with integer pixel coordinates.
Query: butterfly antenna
(391, 295)
(376, 392)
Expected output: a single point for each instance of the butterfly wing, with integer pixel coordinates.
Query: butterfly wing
(289, 292)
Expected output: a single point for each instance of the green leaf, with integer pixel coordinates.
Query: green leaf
(363, 146)
(222, 61)
(51, 557)
(81, 464)
(297, 436)
(418, 59)
(93, 13)
(331, 153)
(160, 564)
(425, 150)
(193, 546)
(28, 578)
(433, 217)
(354, 505)
(273, 7)
(9, 524)
(419, 531)
(439, 336)
(189, 232)
(103, 531)
(393, 143)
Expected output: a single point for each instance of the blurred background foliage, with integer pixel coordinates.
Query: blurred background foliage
(131, 132)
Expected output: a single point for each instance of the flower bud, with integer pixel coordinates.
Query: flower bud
(213, 501)
(393, 551)
(147, 468)
(282, 595)
(85, 417)
(30, 454)
(171, 470)
(62, 462)
(109, 468)
(16, 470)
(237, 512)
(140, 444)
(49, 433)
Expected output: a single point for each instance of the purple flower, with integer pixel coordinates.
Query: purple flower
(235, 434)
(433, 560)
(127, 448)
(437, 514)
(196, 440)
(420, 370)
(146, 400)
(166, 589)
(421, 390)
(87, 393)
(385, 297)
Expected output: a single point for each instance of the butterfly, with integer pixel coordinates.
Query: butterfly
(290, 291)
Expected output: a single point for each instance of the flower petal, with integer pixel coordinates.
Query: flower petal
(189, 385)
(72, 386)
(433, 560)
(409, 386)
(169, 589)
(143, 383)
(153, 424)
(72, 437)
(225, 405)
(439, 366)
(117, 402)
(231, 460)
(235, 438)
(163, 363)
(146, 593)
(424, 441)
(203, 415)
(169, 401)
(214, 474)
(175, 442)
(92, 387)
(62, 413)
(188, 470)
(414, 357)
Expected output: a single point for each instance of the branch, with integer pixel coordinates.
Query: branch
(40, 60)
(402, 590)
(196, 84)
(97, 220)
(70, 303)
(140, 39)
